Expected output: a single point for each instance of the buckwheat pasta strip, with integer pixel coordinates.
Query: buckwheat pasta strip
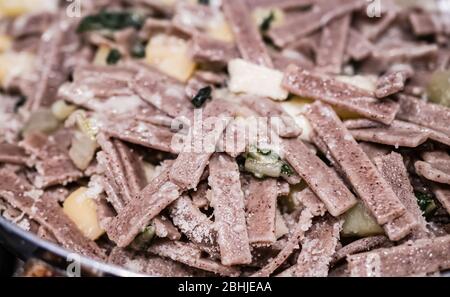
(229, 210)
(328, 90)
(370, 186)
(248, 39)
(389, 261)
(230, 138)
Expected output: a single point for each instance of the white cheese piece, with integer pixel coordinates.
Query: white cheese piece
(246, 77)
(295, 109)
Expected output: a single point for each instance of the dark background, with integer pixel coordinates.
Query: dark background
(6, 262)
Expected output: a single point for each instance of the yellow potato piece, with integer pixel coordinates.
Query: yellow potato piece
(170, 55)
(5, 43)
(220, 30)
(101, 55)
(61, 110)
(359, 223)
(297, 105)
(168, 2)
(82, 210)
(13, 65)
(345, 114)
(150, 171)
(14, 8)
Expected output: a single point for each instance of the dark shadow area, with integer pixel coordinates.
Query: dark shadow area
(6, 263)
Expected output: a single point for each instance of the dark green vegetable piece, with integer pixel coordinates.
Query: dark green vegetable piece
(20, 103)
(201, 97)
(286, 170)
(144, 239)
(262, 162)
(265, 25)
(426, 203)
(264, 152)
(110, 20)
(203, 2)
(113, 57)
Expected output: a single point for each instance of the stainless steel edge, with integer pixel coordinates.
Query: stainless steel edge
(25, 245)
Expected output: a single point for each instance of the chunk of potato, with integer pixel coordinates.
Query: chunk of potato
(358, 223)
(5, 43)
(61, 110)
(170, 55)
(220, 29)
(82, 210)
(297, 105)
(150, 171)
(41, 120)
(346, 114)
(82, 150)
(102, 55)
(14, 8)
(438, 88)
(367, 82)
(167, 2)
(295, 108)
(14, 64)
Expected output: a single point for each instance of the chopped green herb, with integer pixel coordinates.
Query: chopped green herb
(265, 25)
(268, 41)
(203, 2)
(264, 152)
(265, 162)
(201, 97)
(113, 57)
(138, 50)
(286, 170)
(105, 20)
(142, 240)
(426, 203)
